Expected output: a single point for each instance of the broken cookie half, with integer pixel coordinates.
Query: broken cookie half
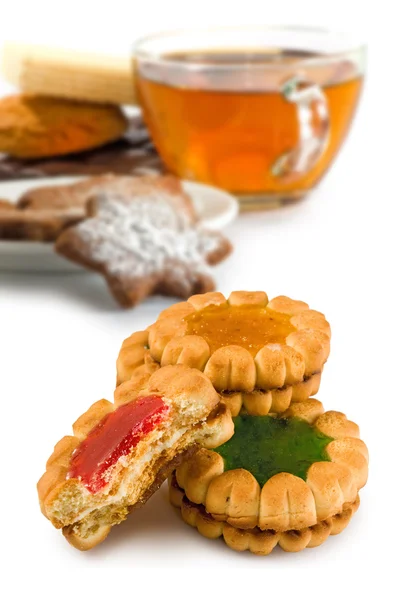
(121, 453)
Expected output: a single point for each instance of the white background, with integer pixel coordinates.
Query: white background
(340, 251)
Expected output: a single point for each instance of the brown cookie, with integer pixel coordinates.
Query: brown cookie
(144, 246)
(62, 196)
(33, 225)
(131, 154)
(38, 126)
(77, 194)
(6, 205)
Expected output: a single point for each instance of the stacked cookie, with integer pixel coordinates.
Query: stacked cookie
(70, 117)
(291, 473)
(215, 394)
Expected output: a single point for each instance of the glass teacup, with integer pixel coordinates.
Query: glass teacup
(260, 112)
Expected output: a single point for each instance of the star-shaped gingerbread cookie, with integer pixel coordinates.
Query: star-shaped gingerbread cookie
(143, 246)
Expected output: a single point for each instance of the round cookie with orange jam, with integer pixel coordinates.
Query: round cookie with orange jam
(260, 355)
(291, 480)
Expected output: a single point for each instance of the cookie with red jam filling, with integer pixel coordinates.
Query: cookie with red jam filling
(121, 452)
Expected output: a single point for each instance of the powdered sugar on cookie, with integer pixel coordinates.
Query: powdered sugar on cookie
(145, 244)
(139, 238)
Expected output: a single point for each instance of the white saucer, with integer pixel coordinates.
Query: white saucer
(215, 208)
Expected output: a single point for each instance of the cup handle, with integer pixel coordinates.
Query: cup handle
(314, 126)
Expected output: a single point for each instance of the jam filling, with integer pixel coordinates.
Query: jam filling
(113, 437)
(251, 327)
(266, 446)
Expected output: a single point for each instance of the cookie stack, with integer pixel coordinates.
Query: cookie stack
(216, 394)
(70, 117)
(70, 102)
(291, 473)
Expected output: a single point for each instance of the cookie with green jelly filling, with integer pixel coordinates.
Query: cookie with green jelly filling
(257, 540)
(266, 446)
(282, 473)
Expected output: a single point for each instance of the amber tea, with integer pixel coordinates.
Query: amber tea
(255, 122)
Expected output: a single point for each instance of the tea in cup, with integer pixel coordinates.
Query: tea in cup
(260, 112)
